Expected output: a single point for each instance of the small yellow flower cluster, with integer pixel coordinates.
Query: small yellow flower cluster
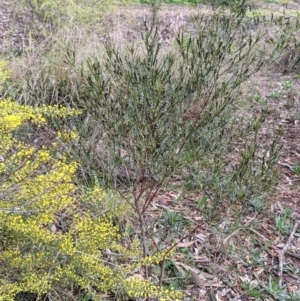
(38, 182)
(67, 136)
(132, 251)
(95, 273)
(38, 283)
(248, 259)
(156, 258)
(138, 288)
(94, 195)
(94, 233)
(67, 245)
(86, 271)
(36, 114)
(9, 290)
(11, 121)
(33, 188)
(26, 231)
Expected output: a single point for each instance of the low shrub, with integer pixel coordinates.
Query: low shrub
(55, 242)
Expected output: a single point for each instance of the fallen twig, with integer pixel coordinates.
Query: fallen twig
(295, 255)
(283, 251)
(286, 165)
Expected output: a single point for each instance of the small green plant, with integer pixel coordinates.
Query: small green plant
(257, 204)
(283, 222)
(4, 74)
(207, 207)
(173, 219)
(290, 103)
(252, 290)
(288, 94)
(286, 84)
(275, 94)
(291, 269)
(295, 116)
(256, 258)
(294, 295)
(275, 290)
(296, 169)
(258, 98)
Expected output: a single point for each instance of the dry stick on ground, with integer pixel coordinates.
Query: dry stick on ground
(283, 251)
(273, 247)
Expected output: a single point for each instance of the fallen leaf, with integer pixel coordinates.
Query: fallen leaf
(185, 244)
(203, 275)
(198, 277)
(245, 278)
(201, 283)
(179, 269)
(156, 240)
(201, 237)
(201, 259)
(53, 228)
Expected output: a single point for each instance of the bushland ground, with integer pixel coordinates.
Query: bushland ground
(236, 256)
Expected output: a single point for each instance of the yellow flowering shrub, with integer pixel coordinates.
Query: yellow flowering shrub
(138, 288)
(52, 238)
(157, 257)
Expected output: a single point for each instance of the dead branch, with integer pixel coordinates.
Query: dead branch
(283, 251)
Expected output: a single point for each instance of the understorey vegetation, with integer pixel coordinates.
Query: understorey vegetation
(115, 160)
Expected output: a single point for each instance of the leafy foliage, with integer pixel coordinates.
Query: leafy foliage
(154, 113)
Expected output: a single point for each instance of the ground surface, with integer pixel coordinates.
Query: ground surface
(257, 241)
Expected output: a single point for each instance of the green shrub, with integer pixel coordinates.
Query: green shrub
(154, 113)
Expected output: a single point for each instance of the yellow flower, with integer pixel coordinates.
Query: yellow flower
(67, 136)
(11, 121)
(52, 236)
